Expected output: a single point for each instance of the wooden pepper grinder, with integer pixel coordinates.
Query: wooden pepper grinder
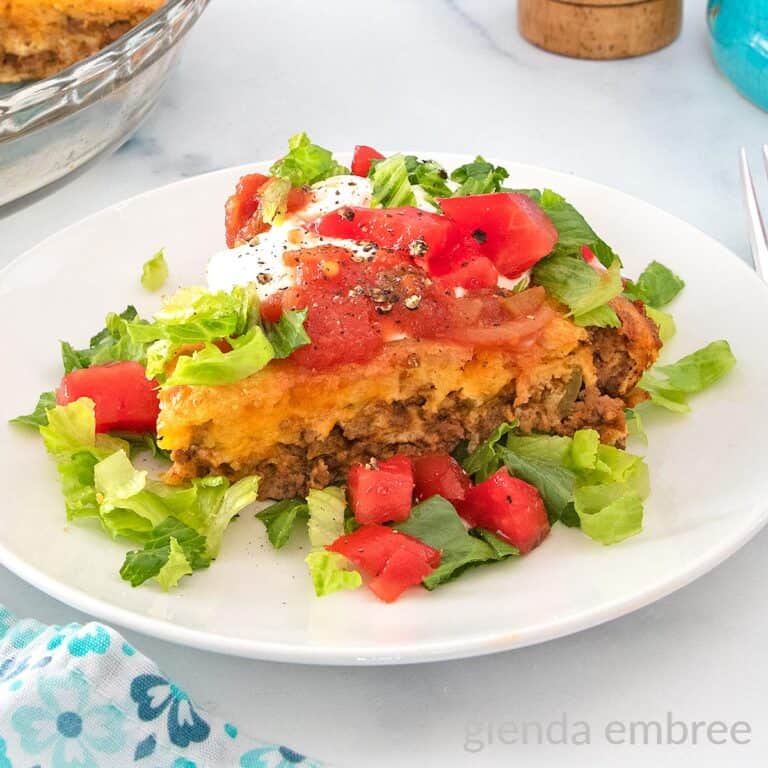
(600, 29)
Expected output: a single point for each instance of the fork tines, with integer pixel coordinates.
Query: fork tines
(757, 236)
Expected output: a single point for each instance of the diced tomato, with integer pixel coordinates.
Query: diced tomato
(382, 491)
(406, 229)
(362, 159)
(438, 474)
(242, 211)
(242, 205)
(403, 569)
(509, 227)
(370, 546)
(125, 400)
(342, 329)
(472, 274)
(509, 507)
(588, 254)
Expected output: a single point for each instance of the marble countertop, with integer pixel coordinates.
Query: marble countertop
(454, 75)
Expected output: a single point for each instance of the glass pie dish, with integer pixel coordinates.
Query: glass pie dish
(53, 126)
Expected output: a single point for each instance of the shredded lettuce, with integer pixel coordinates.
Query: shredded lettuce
(280, 518)
(38, 417)
(331, 572)
(326, 515)
(288, 333)
(437, 524)
(581, 481)
(430, 176)
(656, 286)
(112, 344)
(664, 321)
(478, 177)
(306, 163)
(154, 273)
(540, 461)
(581, 288)
(391, 185)
(98, 480)
(212, 367)
(193, 315)
(163, 560)
(670, 385)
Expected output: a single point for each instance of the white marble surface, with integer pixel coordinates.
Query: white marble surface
(455, 76)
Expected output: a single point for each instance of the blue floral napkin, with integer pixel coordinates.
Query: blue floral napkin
(82, 697)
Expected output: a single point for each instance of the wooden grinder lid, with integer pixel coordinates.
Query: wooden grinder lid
(600, 29)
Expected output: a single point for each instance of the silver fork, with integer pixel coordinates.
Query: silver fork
(758, 240)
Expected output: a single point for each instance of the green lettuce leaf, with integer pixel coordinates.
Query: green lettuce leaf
(220, 503)
(331, 572)
(485, 459)
(280, 518)
(99, 480)
(576, 477)
(669, 385)
(608, 513)
(580, 287)
(391, 185)
(478, 178)
(306, 163)
(288, 333)
(194, 315)
(38, 417)
(326, 515)
(175, 566)
(635, 427)
(430, 176)
(656, 286)
(154, 273)
(540, 462)
(664, 321)
(77, 485)
(436, 523)
(159, 553)
(212, 367)
(112, 344)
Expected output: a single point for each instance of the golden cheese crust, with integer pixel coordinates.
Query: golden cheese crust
(299, 429)
(41, 37)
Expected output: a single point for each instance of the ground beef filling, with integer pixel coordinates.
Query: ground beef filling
(383, 429)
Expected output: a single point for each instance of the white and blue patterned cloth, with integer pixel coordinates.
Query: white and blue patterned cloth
(82, 697)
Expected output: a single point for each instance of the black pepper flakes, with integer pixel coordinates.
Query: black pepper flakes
(418, 247)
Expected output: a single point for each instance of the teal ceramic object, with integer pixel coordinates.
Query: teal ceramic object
(739, 30)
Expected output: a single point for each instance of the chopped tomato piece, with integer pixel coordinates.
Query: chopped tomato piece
(509, 507)
(406, 229)
(509, 228)
(382, 491)
(403, 569)
(342, 329)
(242, 205)
(472, 274)
(362, 159)
(370, 546)
(588, 254)
(438, 474)
(243, 217)
(125, 400)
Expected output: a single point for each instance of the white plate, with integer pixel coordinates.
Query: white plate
(710, 487)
